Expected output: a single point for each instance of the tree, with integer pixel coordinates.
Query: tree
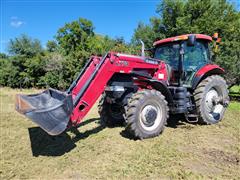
(54, 72)
(72, 36)
(9, 74)
(3, 56)
(24, 46)
(25, 65)
(72, 39)
(148, 33)
(77, 42)
(52, 46)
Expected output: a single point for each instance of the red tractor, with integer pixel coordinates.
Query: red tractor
(137, 90)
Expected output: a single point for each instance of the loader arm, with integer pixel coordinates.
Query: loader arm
(93, 82)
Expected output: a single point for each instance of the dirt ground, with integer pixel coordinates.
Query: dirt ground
(183, 151)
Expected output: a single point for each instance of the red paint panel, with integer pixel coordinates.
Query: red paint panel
(207, 68)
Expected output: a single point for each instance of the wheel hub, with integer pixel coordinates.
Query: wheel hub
(213, 102)
(211, 98)
(150, 117)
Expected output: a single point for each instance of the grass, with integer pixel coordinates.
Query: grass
(235, 89)
(234, 92)
(183, 152)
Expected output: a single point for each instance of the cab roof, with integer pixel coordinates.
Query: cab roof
(180, 38)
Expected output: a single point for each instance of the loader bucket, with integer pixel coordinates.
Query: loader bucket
(50, 109)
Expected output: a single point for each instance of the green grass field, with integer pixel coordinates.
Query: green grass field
(235, 89)
(235, 92)
(185, 151)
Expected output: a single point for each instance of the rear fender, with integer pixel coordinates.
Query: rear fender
(205, 71)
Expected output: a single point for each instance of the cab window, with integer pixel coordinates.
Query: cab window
(195, 56)
(168, 53)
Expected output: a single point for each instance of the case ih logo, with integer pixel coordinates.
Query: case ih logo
(122, 63)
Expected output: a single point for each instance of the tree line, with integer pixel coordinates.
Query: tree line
(28, 64)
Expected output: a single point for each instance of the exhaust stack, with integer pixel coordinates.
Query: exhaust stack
(143, 48)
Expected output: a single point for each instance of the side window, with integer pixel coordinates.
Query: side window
(169, 54)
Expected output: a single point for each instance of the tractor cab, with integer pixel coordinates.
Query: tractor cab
(184, 56)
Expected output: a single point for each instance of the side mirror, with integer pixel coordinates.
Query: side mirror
(191, 40)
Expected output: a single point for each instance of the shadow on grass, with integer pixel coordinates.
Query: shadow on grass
(46, 145)
(174, 121)
(126, 134)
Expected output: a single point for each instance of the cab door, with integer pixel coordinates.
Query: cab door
(195, 57)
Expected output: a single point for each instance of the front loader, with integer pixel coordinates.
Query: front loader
(138, 91)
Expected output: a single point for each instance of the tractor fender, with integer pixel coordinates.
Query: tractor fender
(204, 72)
(163, 88)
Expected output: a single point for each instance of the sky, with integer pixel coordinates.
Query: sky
(42, 18)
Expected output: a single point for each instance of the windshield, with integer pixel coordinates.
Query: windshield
(194, 56)
(168, 53)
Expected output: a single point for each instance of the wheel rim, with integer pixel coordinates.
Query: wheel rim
(150, 117)
(212, 103)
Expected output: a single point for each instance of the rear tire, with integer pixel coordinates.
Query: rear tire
(146, 114)
(110, 114)
(211, 98)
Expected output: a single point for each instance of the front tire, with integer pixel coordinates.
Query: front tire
(111, 114)
(211, 99)
(146, 114)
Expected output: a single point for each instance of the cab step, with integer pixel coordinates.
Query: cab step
(191, 118)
